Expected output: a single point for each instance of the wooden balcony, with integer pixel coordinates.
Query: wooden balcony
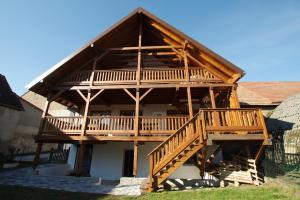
(148, 75)
(220, 122)
(114, 125)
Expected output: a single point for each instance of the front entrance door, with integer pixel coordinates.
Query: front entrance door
(128, 163)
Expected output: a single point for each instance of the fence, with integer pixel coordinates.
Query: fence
(283, 156)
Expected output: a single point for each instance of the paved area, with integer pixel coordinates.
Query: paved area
(26, 177)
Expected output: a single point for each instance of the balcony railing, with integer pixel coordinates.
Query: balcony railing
(148, 75)
(228, 120)
(238, 121)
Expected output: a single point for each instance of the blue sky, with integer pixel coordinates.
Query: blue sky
(261, 37)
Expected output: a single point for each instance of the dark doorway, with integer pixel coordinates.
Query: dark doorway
(128, 163)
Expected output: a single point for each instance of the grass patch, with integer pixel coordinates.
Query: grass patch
(244, 192)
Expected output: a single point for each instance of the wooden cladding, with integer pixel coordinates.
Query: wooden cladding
(129, 76)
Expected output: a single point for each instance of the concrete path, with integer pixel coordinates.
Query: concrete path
(26, 177)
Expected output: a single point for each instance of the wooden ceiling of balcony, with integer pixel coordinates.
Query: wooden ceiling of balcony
(173, 96)
(124, 34)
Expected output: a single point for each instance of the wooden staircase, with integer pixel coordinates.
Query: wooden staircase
(176, 150)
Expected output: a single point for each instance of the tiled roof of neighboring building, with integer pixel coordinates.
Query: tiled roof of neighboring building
(266, 93)
(7, 97)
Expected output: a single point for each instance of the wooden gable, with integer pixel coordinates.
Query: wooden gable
(125, 34)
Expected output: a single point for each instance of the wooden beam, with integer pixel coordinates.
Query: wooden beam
(79, 159)
(55, 96)
(135, 158)
(209, 68)
(233, 99)
(155, 59)
(96, 138)
(212, 97)
(166, 32)
(146, 93)
(153, 85)
(129, 93)
(145, 54)
(95, 95)
(143, 48)
(259, 153)
(234, 137)
(86, 110)
(190, 105)
(37, 155)
(137, 112)
(44, 114)
(97, 59)
(80, 93)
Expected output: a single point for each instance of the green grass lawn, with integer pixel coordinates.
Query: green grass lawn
(240, 193)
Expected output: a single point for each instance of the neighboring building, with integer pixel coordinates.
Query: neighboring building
(265, 95)
(284, 124)
(287, 115)
(138, 88)
(10, 109)
(29, 121)
(20, 119)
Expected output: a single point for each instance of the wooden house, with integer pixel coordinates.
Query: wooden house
(148, 97)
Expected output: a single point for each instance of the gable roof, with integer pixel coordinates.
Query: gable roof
(266, 93)
(230, 71)
(7, 97)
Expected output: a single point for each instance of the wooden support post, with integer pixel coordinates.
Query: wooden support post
(213, 105)
(234, 101)
(79, 159)
(135, 158)
(86, 110)
(187, 77)
(190, 105)
(201, 159)
(236, 97)
(44, 114)
(186, 67)
(259, 153)
(37, 155)
(136, 132)
(139, 56)
(212, 97)
(42, 122)
(262, 121)
(137, 112)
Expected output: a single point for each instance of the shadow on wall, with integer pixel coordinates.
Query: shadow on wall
(278, 126)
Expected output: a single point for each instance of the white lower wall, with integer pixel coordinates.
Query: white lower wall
(108, 160)
(72, 156)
